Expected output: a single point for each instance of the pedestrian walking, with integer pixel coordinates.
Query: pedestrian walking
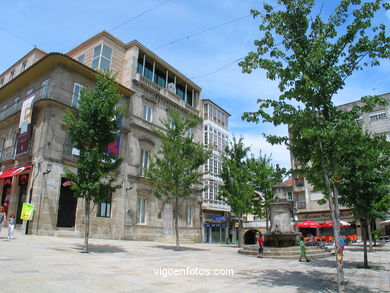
(11, 226)
(342, 243)
(260, 243)
(3, 217)
(303, 250)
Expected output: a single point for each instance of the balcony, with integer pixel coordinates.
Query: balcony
(9, 153)
(219, 205)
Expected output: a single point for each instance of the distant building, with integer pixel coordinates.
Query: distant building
(33, 160)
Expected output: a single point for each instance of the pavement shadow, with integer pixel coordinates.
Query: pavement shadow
(182, 248)
(348, 264)
(310, 281)
(100, 248)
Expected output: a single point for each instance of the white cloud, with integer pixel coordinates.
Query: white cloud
(279, 153)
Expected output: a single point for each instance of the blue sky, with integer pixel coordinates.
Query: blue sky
(59, 26)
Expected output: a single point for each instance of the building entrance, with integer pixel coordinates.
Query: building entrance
(66, 207)
(22, 197)
(250, 237)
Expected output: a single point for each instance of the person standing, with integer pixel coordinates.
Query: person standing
(342, 243)
(260, 243)
(303, 250)
(11, 226)
(3, 217)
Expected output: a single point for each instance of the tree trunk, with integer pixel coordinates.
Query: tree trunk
(177, 223)
(334, 209)
(266, 220)
(364, 236)
(370, 249)
(86, 224)
(239, 230)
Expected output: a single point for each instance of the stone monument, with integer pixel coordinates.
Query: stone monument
(282, 233)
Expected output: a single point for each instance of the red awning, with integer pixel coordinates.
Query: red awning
(13, 172)
(330, 224)
(308, 224)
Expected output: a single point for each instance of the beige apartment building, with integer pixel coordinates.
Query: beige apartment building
(32, 169)
(306, 198)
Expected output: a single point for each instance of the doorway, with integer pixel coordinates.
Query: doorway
(66, 207)
(250, 237)
(22, 197)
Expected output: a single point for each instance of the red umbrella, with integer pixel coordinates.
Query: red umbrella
(308, 224)
(68, 183)
(330, 224)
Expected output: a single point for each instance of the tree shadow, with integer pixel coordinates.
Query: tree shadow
(347, 264)
(182, 248)
(100, 248)
(310, 281)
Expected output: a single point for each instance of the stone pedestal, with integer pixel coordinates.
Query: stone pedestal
(282, 233)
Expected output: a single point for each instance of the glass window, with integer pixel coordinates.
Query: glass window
(24, 64)
(44, 88)
(144, 162)
(147, 113)
(104, 208)
(141, 210)
(102, 57)
(81, 58)
(379, 115)
(1, 81)
(180, 91)
(76, 94)
(289, 196)
(11, 75)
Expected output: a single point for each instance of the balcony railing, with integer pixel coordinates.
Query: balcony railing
(9, 153)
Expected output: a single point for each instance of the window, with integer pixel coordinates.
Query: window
(147, 113)
(16, 100)
(189, 216)
(11, 75)
(144, 162)
(76, 94)
(289, 196)
(141, 210)
(104, 208)
(24, 64)
(102, 57)
(15, 144)
(80, 58)
(1, 81)
(44, 88)
(378, 115)
(140, 65)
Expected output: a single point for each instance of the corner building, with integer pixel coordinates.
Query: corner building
(33, 167)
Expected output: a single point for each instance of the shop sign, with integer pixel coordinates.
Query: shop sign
(27, 211)
(25, 125)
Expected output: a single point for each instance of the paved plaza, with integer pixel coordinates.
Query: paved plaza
(52, 264)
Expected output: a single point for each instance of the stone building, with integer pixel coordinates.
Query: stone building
(34, 172)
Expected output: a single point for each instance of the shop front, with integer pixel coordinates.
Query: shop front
(217, 229)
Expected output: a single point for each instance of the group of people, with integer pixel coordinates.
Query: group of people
(11, 222)
(260, 243)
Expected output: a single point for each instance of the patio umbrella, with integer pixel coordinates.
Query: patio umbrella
(387, 222)
(308, 224)
(330, 224)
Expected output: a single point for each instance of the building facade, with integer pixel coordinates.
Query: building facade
(150, 87)
(217, 224)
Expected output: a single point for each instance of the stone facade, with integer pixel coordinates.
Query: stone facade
(133, 212)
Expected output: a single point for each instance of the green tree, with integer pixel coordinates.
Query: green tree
(91, 129)
(365, 183)
(237, 190)
(174, 170)
(311, 58)
(263, 178)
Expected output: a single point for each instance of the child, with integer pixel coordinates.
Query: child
(11, 226)
(260, 242)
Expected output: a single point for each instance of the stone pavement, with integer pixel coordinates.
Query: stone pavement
(51, 264)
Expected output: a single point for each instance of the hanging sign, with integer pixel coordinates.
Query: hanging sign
(27, 211)
(25, 125)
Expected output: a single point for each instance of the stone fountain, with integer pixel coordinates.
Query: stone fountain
(282, 233)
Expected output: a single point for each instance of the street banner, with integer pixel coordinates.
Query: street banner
(25, 125)
(113, 148)
(27, 211)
